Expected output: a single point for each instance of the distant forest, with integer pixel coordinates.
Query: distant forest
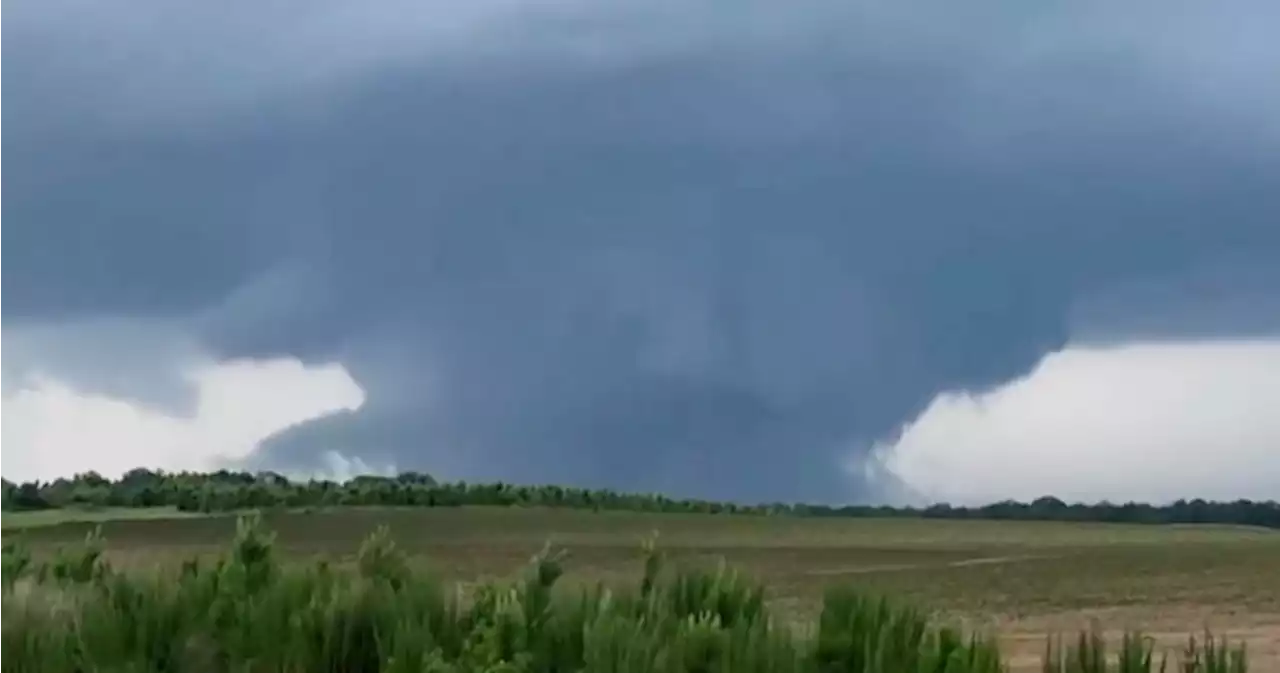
(226, 491)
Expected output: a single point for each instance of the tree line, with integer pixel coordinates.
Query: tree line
(229, 491)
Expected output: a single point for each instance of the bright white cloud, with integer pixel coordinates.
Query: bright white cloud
(1140, 422)
(51, 429)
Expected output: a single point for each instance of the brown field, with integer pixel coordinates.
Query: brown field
(1023, 580)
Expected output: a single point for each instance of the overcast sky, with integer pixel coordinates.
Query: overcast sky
(829, 251)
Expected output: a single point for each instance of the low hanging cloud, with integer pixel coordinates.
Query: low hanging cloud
(1144, 422)
(646, 245)
(51, 429)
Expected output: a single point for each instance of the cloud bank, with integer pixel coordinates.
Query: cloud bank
(641, 245)
(58, 430)
(1149, 423)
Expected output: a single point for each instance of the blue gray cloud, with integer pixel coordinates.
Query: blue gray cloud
(701, 248)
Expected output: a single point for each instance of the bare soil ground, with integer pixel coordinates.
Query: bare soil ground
(1020, 580)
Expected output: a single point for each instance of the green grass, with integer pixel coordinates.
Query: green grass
(343, 525)
(975, 566)
(1022, 580)
(245, 608)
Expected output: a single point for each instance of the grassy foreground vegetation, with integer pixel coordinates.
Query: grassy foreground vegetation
(245, 610)
(225, 491)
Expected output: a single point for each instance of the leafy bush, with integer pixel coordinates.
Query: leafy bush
(248, 612)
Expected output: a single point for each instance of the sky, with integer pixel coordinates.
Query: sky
(821, 251)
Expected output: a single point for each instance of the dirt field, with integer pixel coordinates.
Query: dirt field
(1023, 580)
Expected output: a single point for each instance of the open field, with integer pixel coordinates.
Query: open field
(1021, 579)
(53, 517)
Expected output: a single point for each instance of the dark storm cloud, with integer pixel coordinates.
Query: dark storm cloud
(628, 245)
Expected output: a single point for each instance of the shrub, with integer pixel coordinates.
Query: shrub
(248, 612)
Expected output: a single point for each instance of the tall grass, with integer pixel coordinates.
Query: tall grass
(247, 612)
